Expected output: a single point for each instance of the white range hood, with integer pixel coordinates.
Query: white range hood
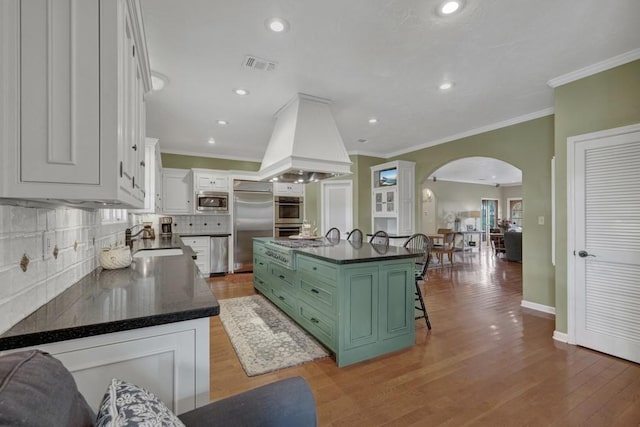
(305, 145)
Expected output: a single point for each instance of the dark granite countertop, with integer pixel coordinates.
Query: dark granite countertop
(205, 234)
(346, 252)
(152, 291)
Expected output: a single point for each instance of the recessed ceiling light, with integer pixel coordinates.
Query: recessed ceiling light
(241, 92)
(446, 86)
(211, 141)
(275, 178)
(301, 180)
(373, 121)
(158, 81)
(277, 25)
(222, 122)
(449, 7)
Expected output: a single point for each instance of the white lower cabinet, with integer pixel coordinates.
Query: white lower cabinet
(171, 361)
(201, 245)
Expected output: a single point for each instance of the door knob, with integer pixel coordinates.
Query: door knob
(584, 254)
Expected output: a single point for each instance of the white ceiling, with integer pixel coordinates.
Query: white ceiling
(373, 58)
(479, 170)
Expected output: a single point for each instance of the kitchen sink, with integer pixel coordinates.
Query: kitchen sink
(145, 253)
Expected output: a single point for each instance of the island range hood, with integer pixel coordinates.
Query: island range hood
(305, 145)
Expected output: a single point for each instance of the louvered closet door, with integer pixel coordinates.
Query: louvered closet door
(607, 215)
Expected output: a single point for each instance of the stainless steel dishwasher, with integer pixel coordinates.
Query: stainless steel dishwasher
(220, 254)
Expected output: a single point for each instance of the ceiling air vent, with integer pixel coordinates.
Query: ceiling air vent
(259, 64)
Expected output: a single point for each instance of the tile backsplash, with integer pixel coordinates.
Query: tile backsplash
(78, 235)
(193, 224)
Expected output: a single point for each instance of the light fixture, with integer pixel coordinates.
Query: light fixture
(241, 92)
(448, 7)
(362, 140)
(277, 25)
(373, 121)
(158, 81)
(446, 85)
(211, 141)
(222, 122)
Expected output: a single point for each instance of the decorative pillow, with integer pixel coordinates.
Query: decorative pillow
(126, 404)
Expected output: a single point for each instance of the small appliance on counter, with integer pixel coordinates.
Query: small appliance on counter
(149, 232)
(165, 226)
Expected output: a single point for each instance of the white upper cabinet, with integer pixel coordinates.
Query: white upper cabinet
(73, 75)
(284, 189)
(210, 180)
(151, 169)
(177, 191)
(392, 197)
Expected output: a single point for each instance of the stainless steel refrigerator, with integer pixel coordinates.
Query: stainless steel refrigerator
(252, 217)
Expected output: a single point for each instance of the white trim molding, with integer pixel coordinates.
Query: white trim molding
(538, 307)
(560, 337)
(596, 68)
(211, 155)
(476, 131)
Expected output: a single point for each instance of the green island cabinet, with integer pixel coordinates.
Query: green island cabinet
(358, 308)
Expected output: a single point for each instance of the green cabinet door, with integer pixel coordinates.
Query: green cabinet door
(360, 308)
(396, 301)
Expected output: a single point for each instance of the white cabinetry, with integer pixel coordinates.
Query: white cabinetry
(152, 169)
(283, 189)
(176, 191)
(180, 350)
(392, 197)
(201, 245)
(73, 77)
(210, 180)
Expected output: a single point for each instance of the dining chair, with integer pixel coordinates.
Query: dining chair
(380, 237)
(497, 243)
(442, 232)
(420, 242)
(333, 234)
(355, 235)
(448, 247)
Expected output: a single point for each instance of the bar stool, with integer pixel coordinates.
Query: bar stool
(421, 242)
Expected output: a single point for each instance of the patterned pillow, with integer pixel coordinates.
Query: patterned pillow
(126, 404)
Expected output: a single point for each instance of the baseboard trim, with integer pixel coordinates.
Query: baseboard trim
(538, 307)
(560, 336)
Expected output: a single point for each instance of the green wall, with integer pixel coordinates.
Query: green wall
(603, 101)
(529, 147)
(180, 161)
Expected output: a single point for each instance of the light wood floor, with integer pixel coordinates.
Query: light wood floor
(487, 361)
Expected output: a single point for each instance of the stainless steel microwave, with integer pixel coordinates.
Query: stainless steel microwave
(212, 202)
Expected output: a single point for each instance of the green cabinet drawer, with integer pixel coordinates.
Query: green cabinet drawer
(260, 265)
(320, 325)
(318, 269)
(318, 294)
(284, 276)
(284, 300)
(259, 248)
(260, 284)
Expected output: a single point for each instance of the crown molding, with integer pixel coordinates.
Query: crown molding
(210, 155)
(596, 68)
(476, 131)
(367, 153)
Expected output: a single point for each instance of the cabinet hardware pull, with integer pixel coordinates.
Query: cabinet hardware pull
(281, 276)
(133, 182)
(135, 147)
(314, 320)
(281, 298)
(315, 291)
(120, 169)
(142, 163)
(315, 268)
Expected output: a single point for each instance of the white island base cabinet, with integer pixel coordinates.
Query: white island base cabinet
(171, 361)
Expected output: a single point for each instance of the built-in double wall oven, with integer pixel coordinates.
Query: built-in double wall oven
(289, 213)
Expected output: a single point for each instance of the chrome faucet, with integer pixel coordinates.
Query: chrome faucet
(128, 237)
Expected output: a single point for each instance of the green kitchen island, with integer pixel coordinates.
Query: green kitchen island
(357, 299)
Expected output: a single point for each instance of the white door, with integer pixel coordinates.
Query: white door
(337, 206)
(604, 241)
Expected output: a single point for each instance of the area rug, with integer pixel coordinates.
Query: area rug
(264, 338)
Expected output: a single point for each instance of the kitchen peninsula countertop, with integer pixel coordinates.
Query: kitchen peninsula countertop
(152, 291)
(346, 252)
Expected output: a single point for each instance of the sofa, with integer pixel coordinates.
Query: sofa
(37, 390)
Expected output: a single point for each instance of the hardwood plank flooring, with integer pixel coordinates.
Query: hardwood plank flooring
(487, 361)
